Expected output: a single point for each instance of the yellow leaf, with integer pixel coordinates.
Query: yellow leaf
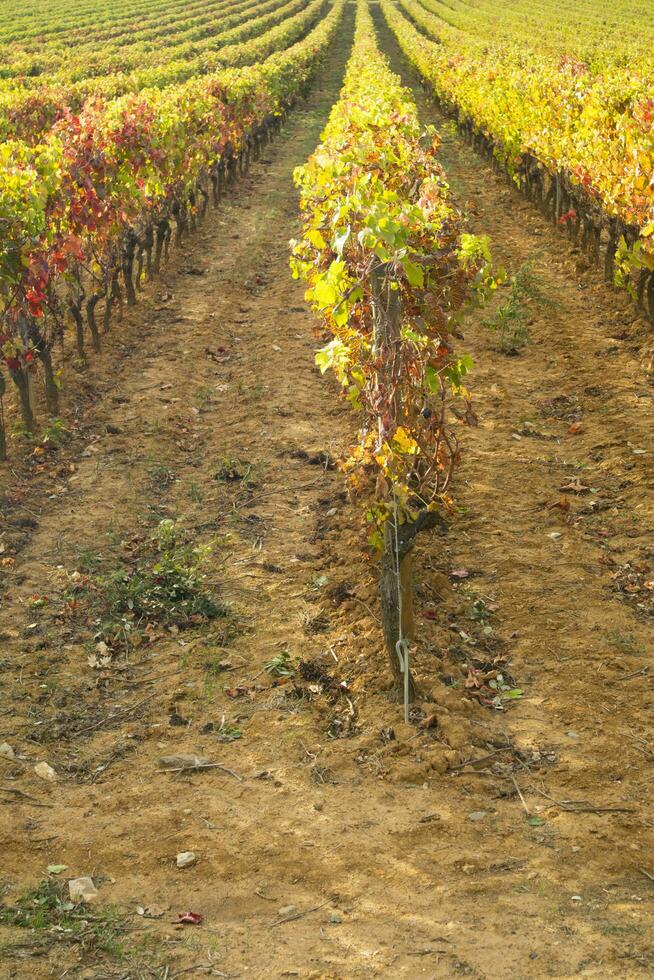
(315, 238)
(403, 442)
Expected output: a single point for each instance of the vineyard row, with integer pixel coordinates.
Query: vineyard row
(85, 214)
(580, 145)
(390, 272)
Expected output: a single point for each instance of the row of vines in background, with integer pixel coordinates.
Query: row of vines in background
(390, 273)
(578, 142)
(90, 211)
(28, 111)
(149, 47)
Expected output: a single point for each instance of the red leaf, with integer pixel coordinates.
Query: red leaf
(189, 919)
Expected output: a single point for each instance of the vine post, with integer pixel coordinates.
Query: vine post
(3, 435)
(396, 585)
(396, 580)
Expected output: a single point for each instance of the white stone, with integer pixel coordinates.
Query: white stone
(82, 890)
(45, 771)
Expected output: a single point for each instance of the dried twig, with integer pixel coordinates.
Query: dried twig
(117, 714)
(483, 758)
(518, 791)
(572, 806)
(634, 673)
(270, 493)
(298, 915)
(208, 765)
(20, 792)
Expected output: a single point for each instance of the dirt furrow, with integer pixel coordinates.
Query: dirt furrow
(555, 531)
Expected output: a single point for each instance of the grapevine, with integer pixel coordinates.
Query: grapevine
(390, 272)
(578, 140)
(86, 210)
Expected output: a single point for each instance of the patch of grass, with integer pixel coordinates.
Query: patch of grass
(161, 478)
(51, 918)
(510, 321)
(624, 642)
(88, 562)
(614, 929)
(239, 471)
(203, 397)
(168, 587)
(196, 496)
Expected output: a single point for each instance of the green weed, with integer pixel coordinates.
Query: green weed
(56, 433)
(510, 321)
(48, 912)
(281, 666)
(167, 587)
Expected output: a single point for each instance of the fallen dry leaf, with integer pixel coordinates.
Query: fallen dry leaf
(189, 919)
(575, 486)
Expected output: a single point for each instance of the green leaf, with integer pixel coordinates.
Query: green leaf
(56, 869)
(535, 821)
(414, 273)
(432, 378)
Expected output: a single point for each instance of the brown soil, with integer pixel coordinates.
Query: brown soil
(206, 408)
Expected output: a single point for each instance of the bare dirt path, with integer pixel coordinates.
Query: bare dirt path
(350, 845)
(571, 573)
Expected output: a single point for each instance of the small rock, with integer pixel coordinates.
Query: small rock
(287, 910)
(575, 898)
(152, 911)
(186, 858)
(82, 890)
(477, 815)
(45, 771)
(6, 751)
(572, 735)
(332, 512)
